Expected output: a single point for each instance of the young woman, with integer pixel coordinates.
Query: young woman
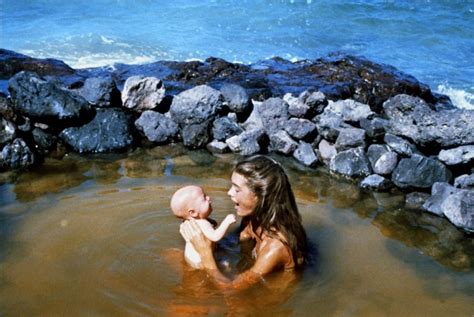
(264, 199)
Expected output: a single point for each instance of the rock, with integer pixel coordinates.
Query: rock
(352, 163)
(45, 102)
(301, 129)
(411, 117)
(6, 108)
(274, 114)
(400, 145)
(236, 98)
(281, 142)
(108, 131)
(329, 124)
(196, 105)
(464, 181)
(254, 121)
(196, 136)
(327, 151)
(143, 93)
(224, 127)
(217, 147)
(296, 106)
(246, 143)
(439, 192)
(416, 200)
(376, 182)
(459, 209)
(7, 131)
(315, 101)
(44, 141)
(16, 155)
(350, 110)
(382, 160)
(460, 155)
(375, 128)
(101, 92)
(157, 127)
(420, 172)
(350, 138)
(305, 154)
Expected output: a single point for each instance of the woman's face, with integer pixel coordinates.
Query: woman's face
(245, 200)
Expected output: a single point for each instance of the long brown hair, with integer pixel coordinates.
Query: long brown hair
(276, 210)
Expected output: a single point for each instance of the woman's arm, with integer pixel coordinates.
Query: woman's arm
(271, 256)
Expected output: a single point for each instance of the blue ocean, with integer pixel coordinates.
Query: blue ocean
(432, 40)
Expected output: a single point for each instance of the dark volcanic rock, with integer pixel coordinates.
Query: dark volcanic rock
(329, 124)
(45, 102)
(108, 131)
(400, 145)
(281, 142)
(7, 131)
(16, 155)
(12, 63)
(352, 163)
(246, 143)
(224, 128)
(459, 209)
(460, 155)
(236, 98)
(274, 114)
(439, 192)
(44, 141)
(196, 135)
(101, 92)
(301, 129)
(157, 127)
(350, 138)
(316, 102)
(383, 160)
(375, 128)
(142, 93)
(412, 118)
(420, 172)
(6, 108)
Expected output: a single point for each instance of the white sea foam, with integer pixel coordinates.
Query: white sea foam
(459, 97)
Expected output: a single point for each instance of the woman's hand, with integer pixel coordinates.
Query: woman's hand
(192, 233)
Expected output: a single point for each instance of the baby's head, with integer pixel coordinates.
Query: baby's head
(191, 202)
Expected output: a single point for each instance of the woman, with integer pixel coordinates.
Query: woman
(264, 199)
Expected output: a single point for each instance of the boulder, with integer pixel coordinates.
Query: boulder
(143, 93)
(296, 107)
(7, 131)
(350, 138)
(46, 102)
(305, 154)
(101, 92)
(274, 114)
(420, 172)
(376, 182)
(459, 209)
(196, 136)
(375, 128)
(217, 147)
(108, 131)
(439, 192)
(44, 141)
(301, 129)
(400, 145)
(16, 155)
(246, 143)
(382, 160)
(326, 151)
(236, 98)
(411, 117)
(329, 124)
(157, 127)
(352, 163)
(281, 142)
(416, 200)
(315, 101)
(464, 181)
(224, 127)
(196, 105)
(460, 155)
(350, 110)
(254, 121)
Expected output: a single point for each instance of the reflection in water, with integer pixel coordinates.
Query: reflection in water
(104, 242)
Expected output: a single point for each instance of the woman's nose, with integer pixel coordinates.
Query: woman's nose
(229, 192)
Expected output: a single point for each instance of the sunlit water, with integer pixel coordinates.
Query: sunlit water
(94, 236)
(430, 39)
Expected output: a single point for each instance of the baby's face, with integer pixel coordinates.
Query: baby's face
(201, 204)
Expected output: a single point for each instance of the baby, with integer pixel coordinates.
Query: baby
(190, 202)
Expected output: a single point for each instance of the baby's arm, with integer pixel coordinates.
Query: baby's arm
(216, 234)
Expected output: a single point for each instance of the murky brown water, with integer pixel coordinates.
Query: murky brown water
(93, 236)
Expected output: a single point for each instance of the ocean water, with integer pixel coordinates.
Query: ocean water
(431, 40)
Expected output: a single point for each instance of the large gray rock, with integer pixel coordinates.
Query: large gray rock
(16, 155)
(254, 121)
(315, 101)
(350, 138)
(305, 154)
(196, 136)
(101, 92)
(274, 114)
(236, 98)
(420, 172)
(411, 117)
(281, 142)
(375, 128)
(327, 151)
(459, 209)
(196, 105)
(46, 102)
(246, 143)
(300, 128)
(439, 192)
(400, 145)
(7, 131)
(376, 182)
(382, 160)
(352, 163)
(156, 127)
(296, 107)
(224, 128)
(108, 131)
(464, 181)
(460, 155)
(329, 124)
(350, 110)
(142, 93)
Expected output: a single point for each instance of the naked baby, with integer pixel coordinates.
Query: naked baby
(190, 202)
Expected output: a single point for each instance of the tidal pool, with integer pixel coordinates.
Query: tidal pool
(94, 236)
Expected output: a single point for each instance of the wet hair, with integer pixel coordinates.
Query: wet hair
(276, 209)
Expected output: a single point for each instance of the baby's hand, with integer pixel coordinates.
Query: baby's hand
(230, 219)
